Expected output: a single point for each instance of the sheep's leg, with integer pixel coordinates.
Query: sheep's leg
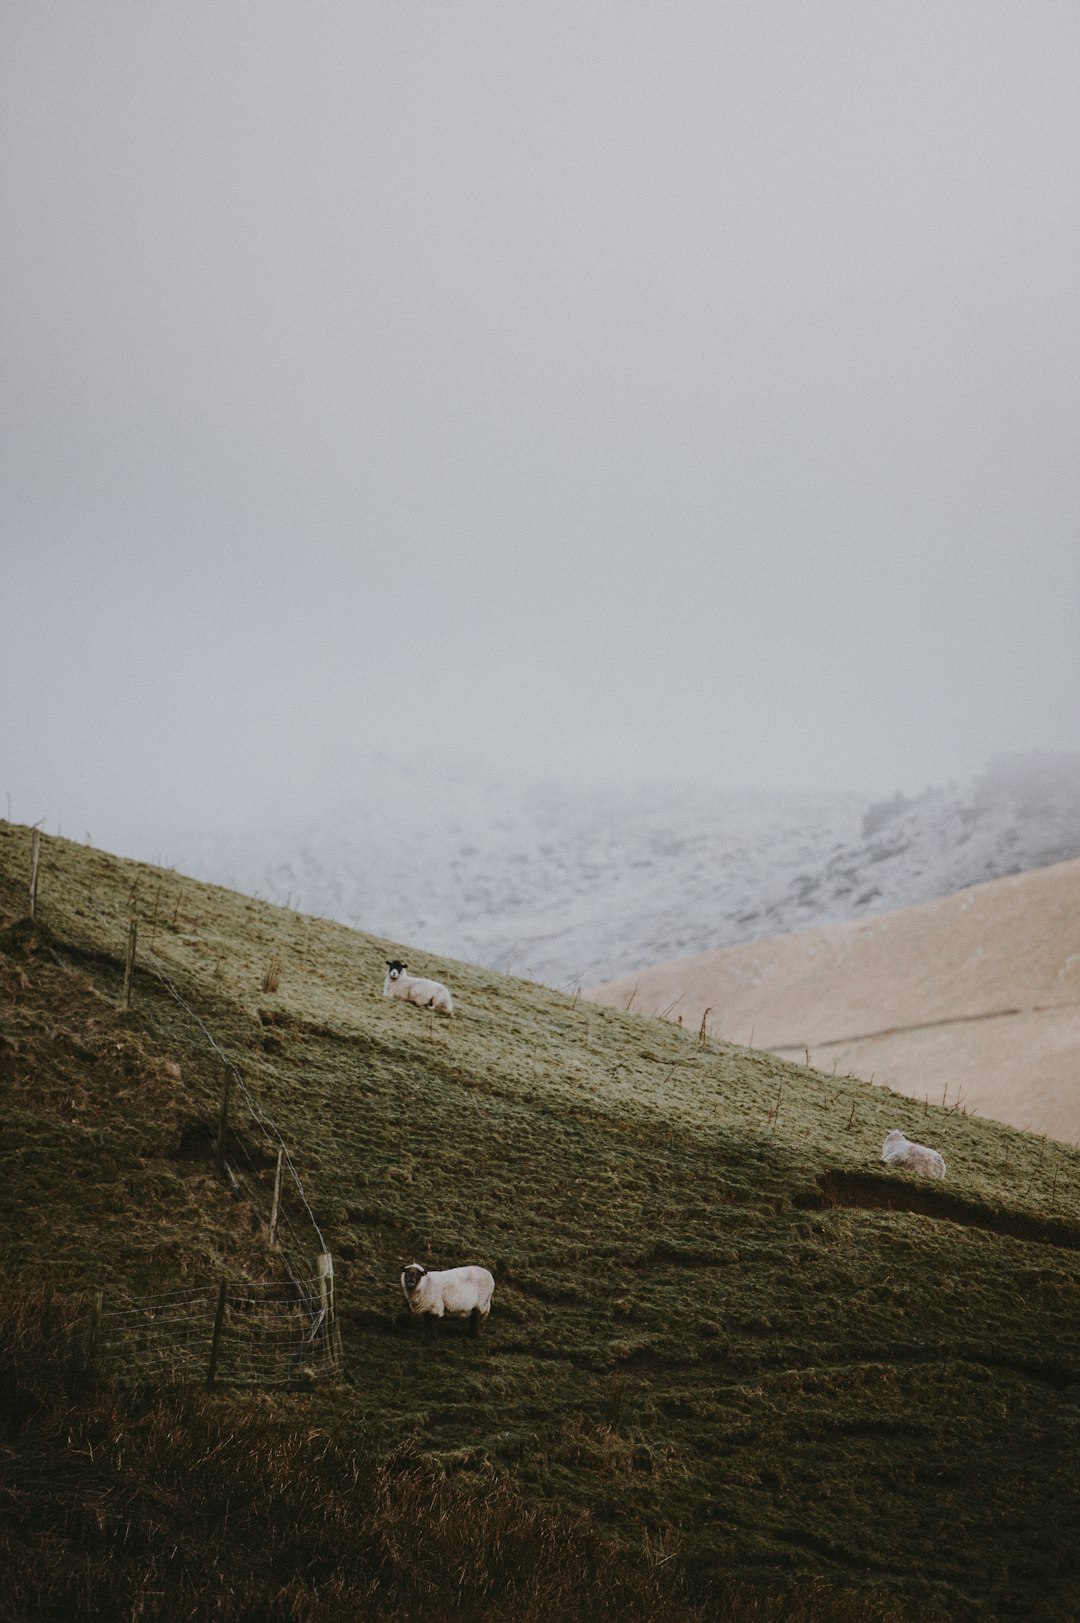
(431, 1326)
(477, 1321)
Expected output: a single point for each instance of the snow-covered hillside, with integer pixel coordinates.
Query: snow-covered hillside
(574, 886)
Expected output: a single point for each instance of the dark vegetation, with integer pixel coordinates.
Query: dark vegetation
(734, 1369)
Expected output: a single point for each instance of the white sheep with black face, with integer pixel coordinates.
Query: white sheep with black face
(414, 989)
(453, 1293)
(898, 1151)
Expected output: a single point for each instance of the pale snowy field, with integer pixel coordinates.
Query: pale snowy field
(573, 886)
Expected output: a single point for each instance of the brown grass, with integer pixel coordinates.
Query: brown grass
(153, 1507)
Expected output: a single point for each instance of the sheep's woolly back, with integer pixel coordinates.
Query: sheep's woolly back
(415, 989)
(452, 1292)
(899, 1151)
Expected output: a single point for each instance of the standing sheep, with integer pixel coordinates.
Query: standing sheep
(899, 1151)
(456, 1293)
(428, 994)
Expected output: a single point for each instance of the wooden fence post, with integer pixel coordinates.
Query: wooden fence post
(331, 1339)
(223, 1123)
(129, 963)
(35, 858)
(97, 1313)
(84, 1346)
(215, 1339)
(275, 1205)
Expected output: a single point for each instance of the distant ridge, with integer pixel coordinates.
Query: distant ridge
(572, 886)
(972, 999)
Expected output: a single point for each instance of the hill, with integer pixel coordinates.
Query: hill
(973, 997)
(734, 1367)
(573, 886)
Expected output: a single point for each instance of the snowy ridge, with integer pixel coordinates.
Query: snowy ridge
(574, 886)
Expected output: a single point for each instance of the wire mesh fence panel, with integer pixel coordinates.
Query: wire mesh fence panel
(166, 1339)
(269, 1338)
(271, 1332)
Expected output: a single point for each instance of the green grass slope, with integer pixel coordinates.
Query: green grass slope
(722, 1332)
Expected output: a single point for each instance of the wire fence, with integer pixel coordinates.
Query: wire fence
(272, 1332)
(284, 1209)
(266, 1333)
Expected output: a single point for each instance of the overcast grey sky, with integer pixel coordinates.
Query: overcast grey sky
(656, 390)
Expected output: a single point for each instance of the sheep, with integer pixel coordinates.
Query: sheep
(429, 994)
(457, 1293)
(899, 1151)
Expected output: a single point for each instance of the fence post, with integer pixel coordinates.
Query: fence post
(223, 1123)
(84, 1345)
(331, 1340)
(275, 1206)
(97, 1313)
(215, 1339)
(35, 858)
(129, 963)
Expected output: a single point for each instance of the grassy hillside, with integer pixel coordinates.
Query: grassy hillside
(724, 1342)
(974, 995)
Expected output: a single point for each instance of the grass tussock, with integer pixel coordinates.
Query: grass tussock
(121, 1505)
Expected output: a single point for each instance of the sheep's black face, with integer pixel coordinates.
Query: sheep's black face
(412, 1276)
(394, 967)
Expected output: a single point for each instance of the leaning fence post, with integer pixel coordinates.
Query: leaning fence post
(275, 1205)
(215, 1339)
(35, 858)
(325, 1269)
(85, 1348)
(223, 1124)
(129, 963)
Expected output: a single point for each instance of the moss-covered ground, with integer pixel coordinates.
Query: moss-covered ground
(721, 1330)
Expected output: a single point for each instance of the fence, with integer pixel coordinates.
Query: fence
(277, 1332)
(270, 1333)
(283, 1208)
(273, 1332)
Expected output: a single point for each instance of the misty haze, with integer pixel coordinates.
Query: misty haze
(680, 394)
(573, 886)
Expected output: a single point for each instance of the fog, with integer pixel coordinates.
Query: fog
(610, 391)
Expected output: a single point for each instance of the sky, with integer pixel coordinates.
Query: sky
(601, 390)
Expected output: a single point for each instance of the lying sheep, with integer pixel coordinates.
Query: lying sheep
(899, 1151)
(429, 994)
(456, 1293)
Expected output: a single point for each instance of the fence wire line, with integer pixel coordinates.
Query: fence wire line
(269, 1127)
(169, 1334)
(264, 1335)
(292, 1247)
